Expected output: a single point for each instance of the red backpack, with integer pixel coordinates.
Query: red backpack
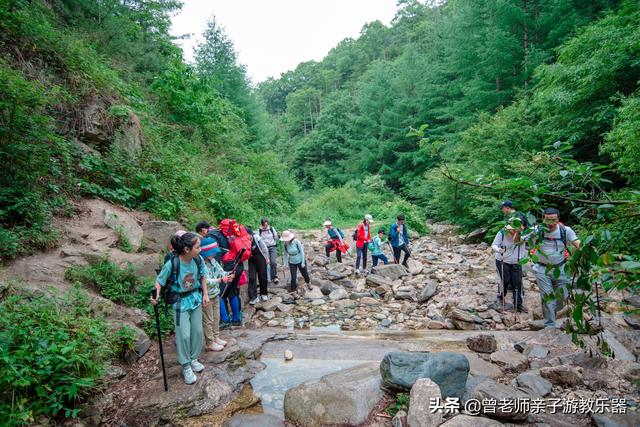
(238, 239)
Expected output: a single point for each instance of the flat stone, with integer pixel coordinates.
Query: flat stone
(390, 271)
(385, 322)
(492, 391)
(533, 384)
(484, 343)
(510, 360)
(317, 302)
(562, 375)
(369, 301)
(375, 280)
(344, 397)
(420, 414)
(267, 315)
(314, 293)
(343, 304)
(620, 351)
(415, 266)
(462, 420)
(535, 351)
(400, 370)
(338, 294)
(253, 420)
(480, 367)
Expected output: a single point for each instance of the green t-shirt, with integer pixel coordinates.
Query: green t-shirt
(188, 279)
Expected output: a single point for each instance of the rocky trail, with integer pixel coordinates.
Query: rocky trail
(351, 337)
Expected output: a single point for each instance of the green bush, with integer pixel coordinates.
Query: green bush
(122, 286)
(111, 281)
(53, 353)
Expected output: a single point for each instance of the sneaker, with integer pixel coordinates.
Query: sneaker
(357, 271)
(214, 347)
(236, 323)
(276, 280)
(522, 310)
(264, 297)
(188, 375)
(254, 301)
(220, 342)
(197, 366)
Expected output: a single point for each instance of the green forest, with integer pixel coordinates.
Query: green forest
(454, 107)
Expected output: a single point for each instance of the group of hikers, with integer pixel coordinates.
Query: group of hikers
(547, 246)
(203, 270)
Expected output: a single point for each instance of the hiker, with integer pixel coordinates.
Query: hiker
(235, 248)
(363, 238)
(399, 240)
(211, 313)
(510, 248)
(376, 248)
(509, 212)
(553, 239)
(336, 241)
(294, 257)
(204, 229)
(257, 267)
(270, 237)
(185, 274)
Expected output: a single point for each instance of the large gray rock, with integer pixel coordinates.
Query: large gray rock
(469, 421)
(415, 266)
(533, 384)
(124, 223)
(157, 234)
(253, 420)
(326, 286)
(565, 375)
(375, 280)
(510, 360)
(420, 414)
(338, 294)
(484, 343)
(390, 271)
(428, 291)
(491, 391)
(630, 419)
(400, 370)
(344, 397)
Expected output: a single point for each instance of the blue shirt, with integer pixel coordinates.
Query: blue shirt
(377, 242)
(188, 279)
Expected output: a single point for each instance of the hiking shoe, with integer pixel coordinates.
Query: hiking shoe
(189, 376)
(264, 297)
(220, 342)
(254, 301)
(214, 347)
(276, 280)
(357, 271)
(236, 323)
(522, 310)
(225, 325)
(197, 366)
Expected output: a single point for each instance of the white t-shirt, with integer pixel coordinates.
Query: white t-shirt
(552, 247)
(514, 251)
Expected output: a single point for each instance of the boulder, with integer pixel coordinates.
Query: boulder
(405, 292)
(414, 266)
(533, 384)
(484, 343)
(420, 414)
(511, 361)
(343, 397)
(428, 291)
(125, 224)
(156, 234)
(564, 375)
(390, 271)
(314, 293)
(374, 280)
(469, 421)
(338, 294)
(253, 420)
(535, 351)
(400, 370)
(369, 301)
(630, 419)
(490, 391)
(326, 286)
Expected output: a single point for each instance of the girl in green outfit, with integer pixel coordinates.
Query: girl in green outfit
(189, 286)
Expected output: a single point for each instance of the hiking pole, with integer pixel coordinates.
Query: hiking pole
(154, 294)
(502, 279)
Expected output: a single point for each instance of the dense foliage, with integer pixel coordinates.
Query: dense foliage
(52, 354)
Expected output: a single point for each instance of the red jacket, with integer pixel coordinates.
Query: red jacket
(362, 238)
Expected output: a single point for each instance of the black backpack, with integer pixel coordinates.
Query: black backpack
(167, 295)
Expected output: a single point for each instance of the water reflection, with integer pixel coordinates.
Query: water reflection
(279, 376)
